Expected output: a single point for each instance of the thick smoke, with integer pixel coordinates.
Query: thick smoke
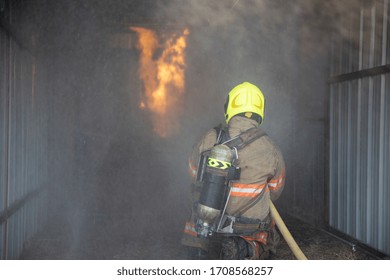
(119, 191)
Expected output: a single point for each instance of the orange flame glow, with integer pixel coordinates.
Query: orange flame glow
(163, 78)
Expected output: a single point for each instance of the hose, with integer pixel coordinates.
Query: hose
(286, 233)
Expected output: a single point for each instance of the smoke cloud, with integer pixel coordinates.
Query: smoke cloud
(119, 190)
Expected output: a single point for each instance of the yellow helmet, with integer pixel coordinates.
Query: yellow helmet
(245, 99)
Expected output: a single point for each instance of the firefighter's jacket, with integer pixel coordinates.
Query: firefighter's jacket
(262, 173)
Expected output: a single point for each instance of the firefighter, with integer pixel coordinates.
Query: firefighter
(261, 179)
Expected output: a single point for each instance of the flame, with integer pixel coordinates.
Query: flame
(163, 78)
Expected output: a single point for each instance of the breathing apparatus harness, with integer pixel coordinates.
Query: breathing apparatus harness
(216, 168)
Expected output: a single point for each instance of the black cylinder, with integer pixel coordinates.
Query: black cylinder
(213, 191)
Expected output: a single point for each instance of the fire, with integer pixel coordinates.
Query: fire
(163, 77)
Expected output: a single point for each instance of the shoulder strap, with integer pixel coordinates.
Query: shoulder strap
(239, 141)
(245, 138)
(222, 134)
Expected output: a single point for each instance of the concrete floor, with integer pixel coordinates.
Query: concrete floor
(101, 237)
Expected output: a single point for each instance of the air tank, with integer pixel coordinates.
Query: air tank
(214, 187)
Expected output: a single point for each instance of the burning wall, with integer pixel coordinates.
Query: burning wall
(163, 77)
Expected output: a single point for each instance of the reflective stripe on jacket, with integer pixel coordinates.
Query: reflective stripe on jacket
(262, 171)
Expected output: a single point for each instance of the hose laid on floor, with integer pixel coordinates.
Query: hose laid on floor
(286, 233)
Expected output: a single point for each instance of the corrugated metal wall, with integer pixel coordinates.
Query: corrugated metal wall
(359, 183)
(23, 146)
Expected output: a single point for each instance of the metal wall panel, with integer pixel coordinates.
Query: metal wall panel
(23, 146)
(359, 146)
(3, 124)
(21, 229)
(4, 57)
